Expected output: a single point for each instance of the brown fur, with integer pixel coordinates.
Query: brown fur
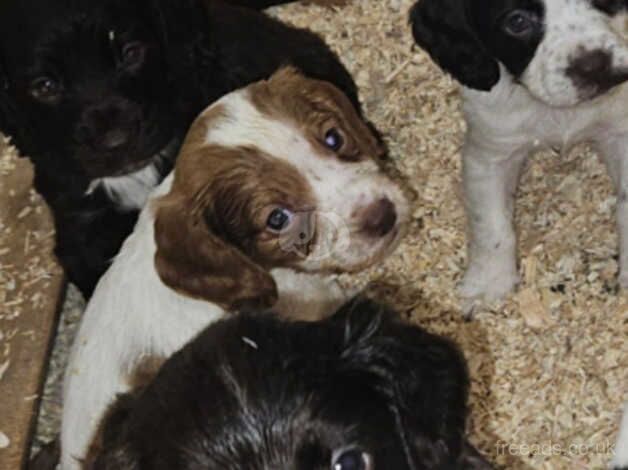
(209, 229)
(315, 106)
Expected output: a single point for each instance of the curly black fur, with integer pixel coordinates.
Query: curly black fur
(111, 117)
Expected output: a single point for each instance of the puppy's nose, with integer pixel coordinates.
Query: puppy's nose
(592, 64)
(379, 218)
(593, 73)
(106, 127)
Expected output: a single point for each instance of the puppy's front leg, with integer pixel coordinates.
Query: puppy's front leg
(615, 150)
(490, 182)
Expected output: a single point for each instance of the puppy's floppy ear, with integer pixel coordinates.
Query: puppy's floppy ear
(444, 29)
(194, 260)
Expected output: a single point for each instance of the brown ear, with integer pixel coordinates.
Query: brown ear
(193, 260)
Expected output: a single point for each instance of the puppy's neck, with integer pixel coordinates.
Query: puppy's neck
(307, 296)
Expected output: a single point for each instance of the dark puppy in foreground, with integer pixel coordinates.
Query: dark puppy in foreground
(99, 93)
(358, 391)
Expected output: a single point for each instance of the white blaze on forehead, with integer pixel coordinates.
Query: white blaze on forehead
(571, 27)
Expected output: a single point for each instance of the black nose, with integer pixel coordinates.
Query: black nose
(379, 218)
(108, 126)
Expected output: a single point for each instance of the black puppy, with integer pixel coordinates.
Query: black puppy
(99, 93)
(359, 391)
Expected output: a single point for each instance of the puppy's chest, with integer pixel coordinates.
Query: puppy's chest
(520, 122)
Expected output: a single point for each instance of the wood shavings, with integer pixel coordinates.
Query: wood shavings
(532, 309)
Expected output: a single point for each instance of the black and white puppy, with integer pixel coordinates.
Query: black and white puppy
(99, 94)
(358, 391)
(536, 74)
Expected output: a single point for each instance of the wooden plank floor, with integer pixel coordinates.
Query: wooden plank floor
(31, 286)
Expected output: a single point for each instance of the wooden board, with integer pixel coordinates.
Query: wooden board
(31, 287)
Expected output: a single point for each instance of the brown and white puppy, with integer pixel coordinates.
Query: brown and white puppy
(276, 188)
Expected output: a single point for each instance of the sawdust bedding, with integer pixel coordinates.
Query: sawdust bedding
(549, 364)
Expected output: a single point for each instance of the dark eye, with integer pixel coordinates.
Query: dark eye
(520, 23)
(45, 89)
(333, 139)
(279, 219)
(133, 54)
(352, 459)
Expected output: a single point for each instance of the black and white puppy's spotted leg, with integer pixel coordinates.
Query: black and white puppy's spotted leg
(615, 151)
(490, 181)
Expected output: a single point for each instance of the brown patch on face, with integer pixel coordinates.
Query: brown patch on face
(316, 107)
(210, 230)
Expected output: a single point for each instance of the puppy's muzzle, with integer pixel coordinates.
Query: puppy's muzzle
(593, 72)
(109, 127)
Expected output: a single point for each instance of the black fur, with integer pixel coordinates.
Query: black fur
(255, 393)
(467, 39)
(194, 52)
(444, 29)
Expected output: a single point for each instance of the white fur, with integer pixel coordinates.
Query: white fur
(519, 117)
(133, 315)
(129, 191)
(621, 449)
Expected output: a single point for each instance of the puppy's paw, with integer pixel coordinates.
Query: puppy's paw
(486, 282)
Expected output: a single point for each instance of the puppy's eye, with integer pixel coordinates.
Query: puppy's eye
(352, 459)
(279, 219)
(333, 139)
(520, 23)
(46, 90)
(133, 54)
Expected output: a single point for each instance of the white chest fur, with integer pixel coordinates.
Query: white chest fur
(510, 119)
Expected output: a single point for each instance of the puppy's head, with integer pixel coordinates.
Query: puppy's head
(89, 82)
(358, 391)
(280, 174)
(563, 51)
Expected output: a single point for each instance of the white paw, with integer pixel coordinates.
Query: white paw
(487, 282)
